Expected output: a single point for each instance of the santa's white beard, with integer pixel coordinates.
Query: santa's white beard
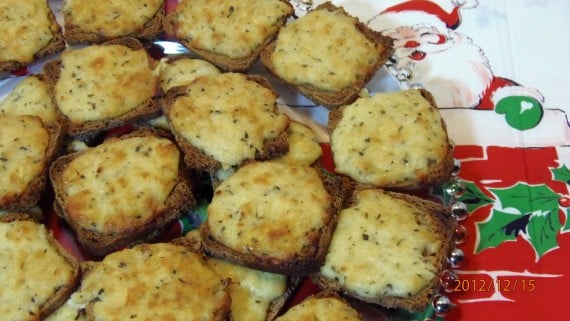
(457, 74)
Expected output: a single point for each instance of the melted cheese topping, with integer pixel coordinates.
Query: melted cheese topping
(67, 312)
(390, 140)
(270, 209)
(31, 270)
(23, 145)
(108, 17)
(252, 291)
(383, 246)
(153, 282)
(312, 309)
(101, 82)
(183, 71)
(233, 28)
(227, 117)
(304, 149)
(120, 183)
(24, 29)
(31, 96)
(323, 49)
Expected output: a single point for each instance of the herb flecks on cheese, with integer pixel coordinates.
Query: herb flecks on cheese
(252, 291)
(269, 209)
(323, 49)
(120, 183)
(389, 139)
(30, 97)
(304, 149)
(233, 28)
(314, 308)
(383, 246)
(25, 29)
(103, 81)
(153, 282)
(183, 71)
(228, 117)
(23, 145)
(31, 270)
(110, 18)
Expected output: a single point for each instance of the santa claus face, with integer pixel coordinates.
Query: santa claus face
(447, 63)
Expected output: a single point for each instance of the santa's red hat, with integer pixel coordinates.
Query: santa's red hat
(421, 11)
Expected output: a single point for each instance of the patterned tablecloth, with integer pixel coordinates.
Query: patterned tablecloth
(496, 70)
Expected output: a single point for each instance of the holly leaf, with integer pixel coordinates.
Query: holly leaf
(566, 226)
(561, 174)
(527, 198)
(473, 197)
(542, 230)
(499, 228)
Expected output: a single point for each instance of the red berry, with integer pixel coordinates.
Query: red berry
(564, 201)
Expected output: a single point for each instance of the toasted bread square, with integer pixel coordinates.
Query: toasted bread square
(182, 70)
(104, 20)
(37, 274)
(103, 86)
(28, 32)
(122, 191)
(230, 34)
(327, 55)
(273, 217)
(388, 248)
(31, 96)
(304, 148)
(27, 147)
(223, 120)
(160, 281)
(394, 140)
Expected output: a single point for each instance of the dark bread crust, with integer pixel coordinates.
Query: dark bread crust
(445, 227)
(36, 188)
(222, 61)
(150, 30)
(56, 45)
(198, 159)
(439, 173)
(309, 262)
(143, 112)
(334, 99)
(179, 200)
(61, 294)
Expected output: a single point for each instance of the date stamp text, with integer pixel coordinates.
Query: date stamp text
(489, 285)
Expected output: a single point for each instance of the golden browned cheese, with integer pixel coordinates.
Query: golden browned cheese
(183, 71)
(103, 81)
(230, 27)
(269, 209)
(383, 246)
(31, 96)
(108, 17)
(389, 139)
(31, 270)
(327, 308)
(24, 29)
(323, 49)
(23, 145)
(153, 282)
(304, 149)
(252, 291)
(120, 183)
(227, 116)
